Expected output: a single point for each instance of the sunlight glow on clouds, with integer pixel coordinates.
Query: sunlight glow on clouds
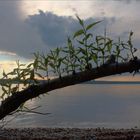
(86, 9)
(6, 66)
(62, 8)
(124, 12)
(7, 53)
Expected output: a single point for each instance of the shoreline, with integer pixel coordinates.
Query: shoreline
(68, 134)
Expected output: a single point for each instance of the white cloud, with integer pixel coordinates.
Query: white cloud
(62, 8)
(86, 9)
(7, 53)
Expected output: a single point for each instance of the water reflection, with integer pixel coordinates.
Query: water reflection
(86, 105)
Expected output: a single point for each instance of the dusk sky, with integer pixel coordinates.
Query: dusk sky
(27, 26)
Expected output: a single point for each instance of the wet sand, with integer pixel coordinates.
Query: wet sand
(68, 134)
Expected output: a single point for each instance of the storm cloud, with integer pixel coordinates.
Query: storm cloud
(37, 33)
(55, 29)
(45, 30)
(16, 36)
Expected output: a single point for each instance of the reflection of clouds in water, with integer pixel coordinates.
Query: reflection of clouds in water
(122, 77)
(84, 104)
(31, 103)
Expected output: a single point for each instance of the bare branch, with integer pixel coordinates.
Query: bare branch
(13, 102)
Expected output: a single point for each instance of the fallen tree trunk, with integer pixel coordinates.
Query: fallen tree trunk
(13, 102)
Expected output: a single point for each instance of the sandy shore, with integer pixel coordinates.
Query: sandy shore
(68, 134)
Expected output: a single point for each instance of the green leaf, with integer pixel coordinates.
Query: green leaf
(80, 20)
(131, 33)
(82, 51)
(39, 75)
(36, 55)
(4, 74)
(69, 43)
(22, 65)
(91, 25)
(118, 52)
(50, 57)
(52, 65)
(59, 62)
(57, 51)
(95, 49)
(42, 68)
(109, 46)
(12, 73)
(117, 48)
(4, 90)
(35, 64)
(94, 57)
(46, 61)
(32, 75)
(87, 37)
(80, 42)
(2, 96)
(29, 65)
(78, 33)
(65, 51)
(14, 89)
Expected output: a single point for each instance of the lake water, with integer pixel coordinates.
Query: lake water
(86, 105)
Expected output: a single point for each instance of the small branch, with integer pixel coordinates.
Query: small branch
(13, 102)
(27, 110)
(35, 112)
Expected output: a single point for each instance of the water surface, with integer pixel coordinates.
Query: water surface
(86, 105)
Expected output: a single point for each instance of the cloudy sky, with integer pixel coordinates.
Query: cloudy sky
(27, 26)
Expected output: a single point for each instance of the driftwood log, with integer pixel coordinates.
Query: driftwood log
(13, 102)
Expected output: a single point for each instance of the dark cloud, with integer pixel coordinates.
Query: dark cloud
(37, 33)
(16, 35)
(52, 28)
(55, 29)
(47, 30)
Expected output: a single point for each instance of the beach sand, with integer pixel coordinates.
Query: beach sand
(68, 134)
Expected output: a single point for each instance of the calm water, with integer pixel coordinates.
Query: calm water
(86, 105)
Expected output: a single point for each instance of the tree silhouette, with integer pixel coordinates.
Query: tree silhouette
(93, 57)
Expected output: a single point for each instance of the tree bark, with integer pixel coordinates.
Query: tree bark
(13, 102)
